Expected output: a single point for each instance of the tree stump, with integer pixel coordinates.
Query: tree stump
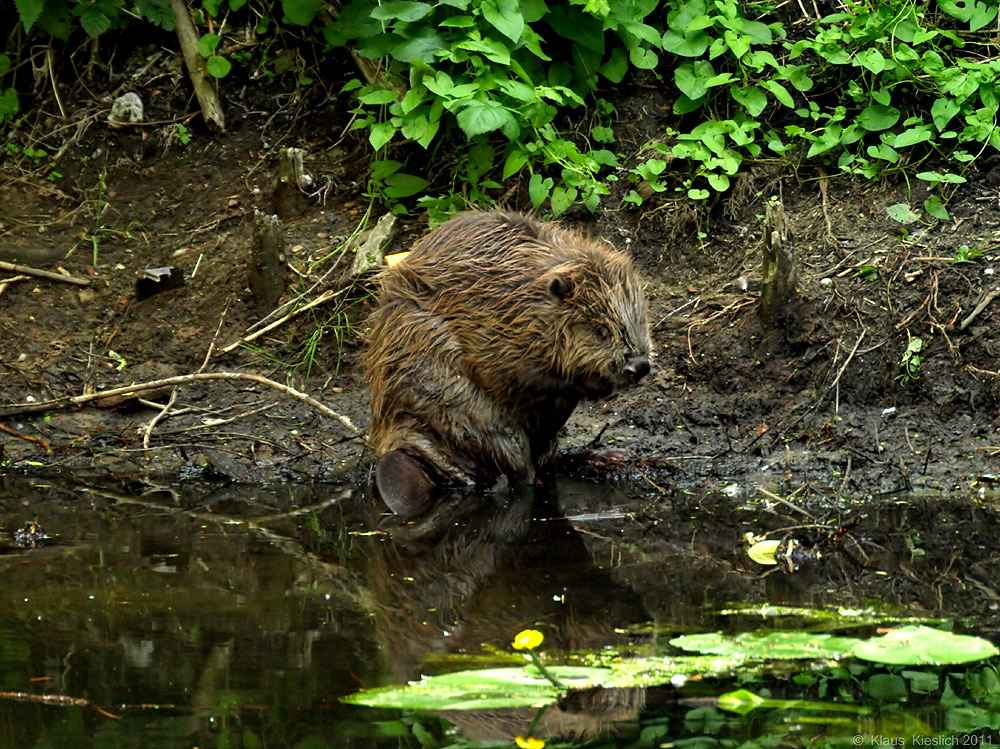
(292, 178)
(778, 271)
(267, 263)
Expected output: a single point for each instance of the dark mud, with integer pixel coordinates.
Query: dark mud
(821, 404)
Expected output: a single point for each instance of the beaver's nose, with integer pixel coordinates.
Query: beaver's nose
(638, 367)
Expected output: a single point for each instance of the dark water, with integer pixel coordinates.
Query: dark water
(196, 617)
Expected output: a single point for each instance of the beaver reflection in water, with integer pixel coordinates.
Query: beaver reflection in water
(486, 336)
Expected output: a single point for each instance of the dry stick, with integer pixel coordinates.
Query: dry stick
(187, 37)
(76, 400)
(325, 296)
(211, 424)
(785, 502)
(5, 284)
(979, 308)
(15, 268)
(165, 410)
(156, 419)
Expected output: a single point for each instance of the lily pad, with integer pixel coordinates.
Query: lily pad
(924, 646)
(481, 690)
(773, 645)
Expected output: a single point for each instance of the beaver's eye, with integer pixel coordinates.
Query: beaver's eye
(603, 332)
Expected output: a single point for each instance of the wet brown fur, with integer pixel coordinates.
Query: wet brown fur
(486, 337)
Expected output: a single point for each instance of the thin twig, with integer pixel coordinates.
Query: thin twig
(979, 308)
(325, 296)
(15, 268)
(156, 419)
(76, 400)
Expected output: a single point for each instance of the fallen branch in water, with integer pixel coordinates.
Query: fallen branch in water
(56, 404)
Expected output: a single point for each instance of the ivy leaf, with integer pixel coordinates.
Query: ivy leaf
(686, 44)
(942, 111)
(218, 66)
(207, 44)
(877, 117)
(301, 12)
(381, 133)
(401, 185)
(779, 92)
(407, 11)
(505, 16)
(752, 98)
(539, 189)
(481, 116)
(692, 78)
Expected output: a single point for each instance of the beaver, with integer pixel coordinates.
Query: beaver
(485, 338)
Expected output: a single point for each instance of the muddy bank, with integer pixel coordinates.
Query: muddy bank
(836, 397)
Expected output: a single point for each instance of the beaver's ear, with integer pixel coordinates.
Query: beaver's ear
(559, 286)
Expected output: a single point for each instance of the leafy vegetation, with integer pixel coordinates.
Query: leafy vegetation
(498, 90)
(844, 698)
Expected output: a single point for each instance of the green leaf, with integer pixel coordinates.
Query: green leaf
(692, 77)
(28, 11)
(778, 91)
(936, 208)
(936, 177)
(912, 136)
(616, 66)
(407, 11)
(690, 44)
(539, 189)
(505, 16)
(643, 58)
(95, 22)
(301, 12)
(752, 98)
(481, 116)
(942, 112)
(872, 59)
(902, 213)
(514, 163)
(877, 117)
(379, 96)
(798, 77)
(55, 19)
(883, 152)
(400, 185)
(571, 23)
(380, 134)
(562, 198)
(488, 689)
(207, 44)
(218, 66)
(785, 645)
(718, 182)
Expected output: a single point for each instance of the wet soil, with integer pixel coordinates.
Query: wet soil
(820, 403)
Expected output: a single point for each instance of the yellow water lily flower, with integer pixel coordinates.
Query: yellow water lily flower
(530, 742)
(528, 639)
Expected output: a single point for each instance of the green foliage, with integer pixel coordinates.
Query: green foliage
(9, 103)
(911, 361)
(492, 91)
(476, 71)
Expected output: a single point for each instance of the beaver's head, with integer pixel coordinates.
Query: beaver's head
(600, 325)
